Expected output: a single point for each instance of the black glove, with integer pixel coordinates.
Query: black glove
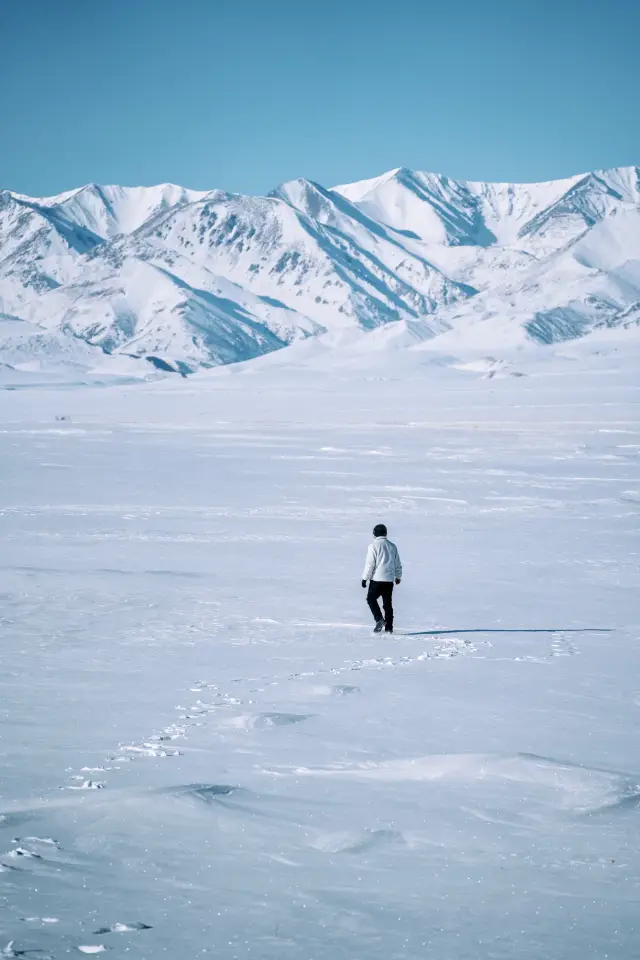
(364, 584)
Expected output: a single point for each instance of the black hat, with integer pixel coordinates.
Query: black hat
(380, 530)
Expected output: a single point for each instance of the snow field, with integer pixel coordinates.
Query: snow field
(208, 752)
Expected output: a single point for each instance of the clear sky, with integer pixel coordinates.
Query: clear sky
(244, 94)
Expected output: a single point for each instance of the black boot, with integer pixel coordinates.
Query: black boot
(378, 627)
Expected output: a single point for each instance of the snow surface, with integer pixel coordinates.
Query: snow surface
(207, 752)
(198, 279)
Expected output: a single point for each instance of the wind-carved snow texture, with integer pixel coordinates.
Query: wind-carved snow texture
(109, 280)
(207, 750)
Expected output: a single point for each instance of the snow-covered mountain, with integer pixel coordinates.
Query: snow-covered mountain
(194, 278)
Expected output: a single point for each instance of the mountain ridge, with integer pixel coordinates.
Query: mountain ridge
(210, 277)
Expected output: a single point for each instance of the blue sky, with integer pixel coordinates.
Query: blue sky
(246, 94)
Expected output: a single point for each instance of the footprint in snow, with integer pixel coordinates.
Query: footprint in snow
(22, 852)
(197, 713)
(88, 785)
(562, 645)
(11, 951)
(337, 690)
(149, 750)
(263, 721)
(281, 719)
(207, 793)
(46, 841)
(122, 928)
(39, 920)
(344, 690)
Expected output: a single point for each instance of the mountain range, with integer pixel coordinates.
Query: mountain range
(186, 279)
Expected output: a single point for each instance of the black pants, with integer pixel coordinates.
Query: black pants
(384, 589)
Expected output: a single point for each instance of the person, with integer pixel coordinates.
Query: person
(382, 569)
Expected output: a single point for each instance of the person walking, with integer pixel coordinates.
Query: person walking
(382, 570)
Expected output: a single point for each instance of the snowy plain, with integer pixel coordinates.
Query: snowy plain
(205, 751)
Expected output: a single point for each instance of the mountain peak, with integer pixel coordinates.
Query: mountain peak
(358, 190)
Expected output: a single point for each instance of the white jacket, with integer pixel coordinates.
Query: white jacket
(383, 561)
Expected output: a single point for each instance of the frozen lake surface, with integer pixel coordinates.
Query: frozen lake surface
(205, 751)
